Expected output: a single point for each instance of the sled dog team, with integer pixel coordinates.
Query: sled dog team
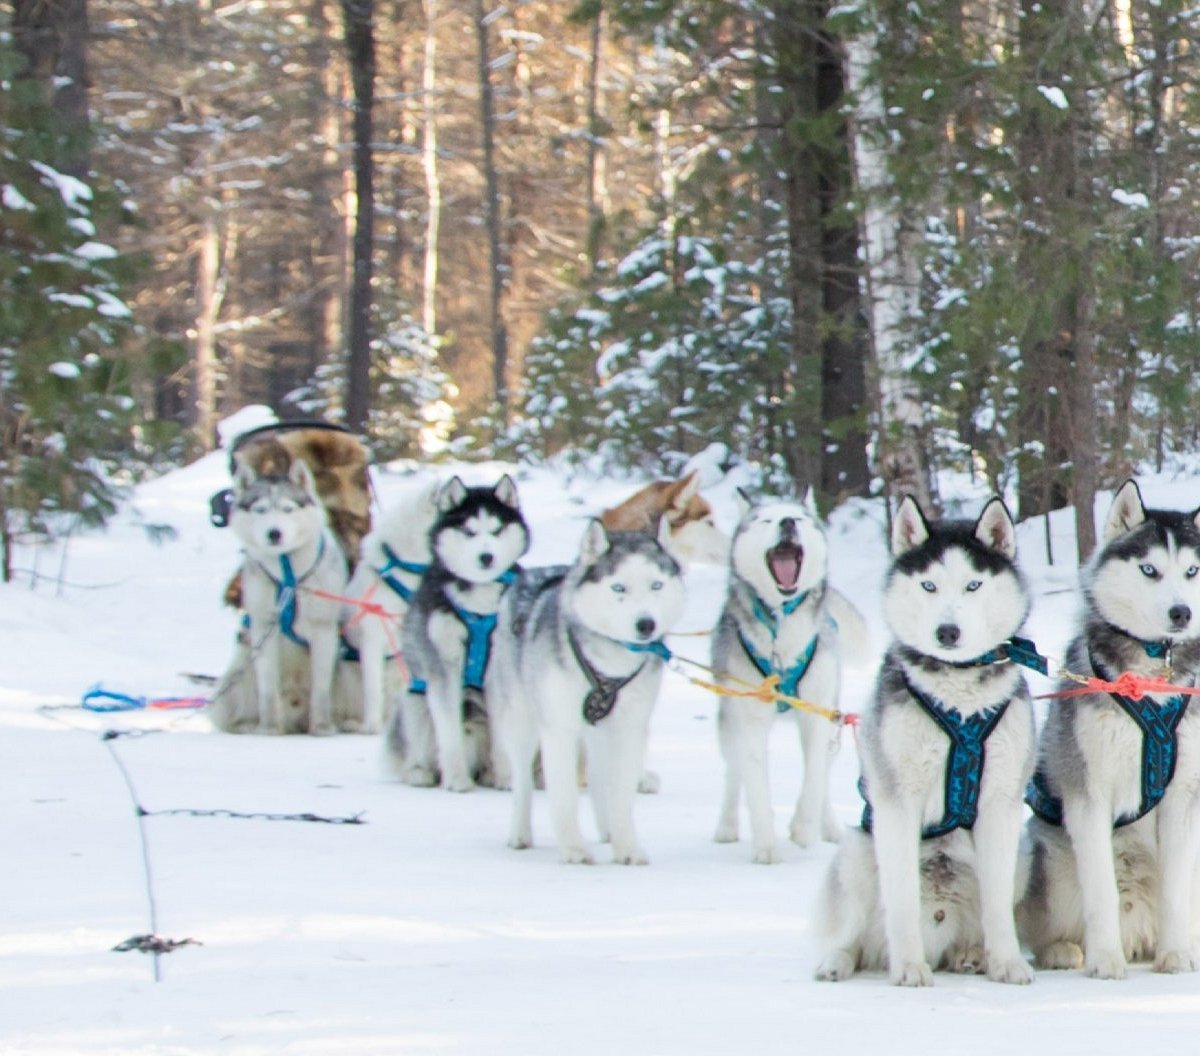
(518, 673)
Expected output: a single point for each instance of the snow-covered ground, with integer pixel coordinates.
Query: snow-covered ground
(419, 931)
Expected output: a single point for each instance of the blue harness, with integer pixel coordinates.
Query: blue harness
(789, 679)
(386, 573)
(285, 592)
(964, 767)
(1159, 724)
(479, 627)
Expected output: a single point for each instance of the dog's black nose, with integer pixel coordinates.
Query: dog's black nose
(787, 528)
(948, 634)
(486, 560)
(644, 627)
(274, 536)
(1180, 616)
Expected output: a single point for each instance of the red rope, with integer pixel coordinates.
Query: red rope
(1127, 684)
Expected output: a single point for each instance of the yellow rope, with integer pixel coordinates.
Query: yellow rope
(766, 691)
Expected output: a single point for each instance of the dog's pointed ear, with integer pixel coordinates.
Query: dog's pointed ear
(243, 477)
(995, 528)
(663, 534)
(451, 494)
(595, 542)
(1126, 512)
(810, 500)
(506, 491)
(909, 529)
(684, 490)
(300, 475)
(743, 501)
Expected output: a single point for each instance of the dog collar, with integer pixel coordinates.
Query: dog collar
(1017, 650)
(602, 697)
(286, 588)
(765, 616)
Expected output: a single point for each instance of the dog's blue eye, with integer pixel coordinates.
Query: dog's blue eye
(656, 585)
(974, 585)
(1149, 571)
(929, 586)
(1191, 572)
(618, 588)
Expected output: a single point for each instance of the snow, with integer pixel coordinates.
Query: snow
(419, 931)
(1055, 96)
(1132, 199)
(62, 369)
(14, 199)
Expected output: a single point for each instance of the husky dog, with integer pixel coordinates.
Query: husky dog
(946, 747)
(1113, 846)
(579, 660)
(292, 632)
(440, 727)
(777, 620)
(395, 555)
(691, 530)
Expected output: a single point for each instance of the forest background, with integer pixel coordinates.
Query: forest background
(860, 244)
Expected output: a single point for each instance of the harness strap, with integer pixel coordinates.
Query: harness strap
(1159, 725)
(768, 619)
(789, 679)
(601, 699)
(394, 562)
(964, 765)
(1020, 651)
(286, 594)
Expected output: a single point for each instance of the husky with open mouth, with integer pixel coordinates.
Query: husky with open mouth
(780, 618)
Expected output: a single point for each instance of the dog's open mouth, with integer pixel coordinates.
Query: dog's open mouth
(784, 562)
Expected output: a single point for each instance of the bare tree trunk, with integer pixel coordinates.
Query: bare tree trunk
(433, 185)
(497, 267)
(892, 290)
(359, 16)
(208, 308)
(595, 211)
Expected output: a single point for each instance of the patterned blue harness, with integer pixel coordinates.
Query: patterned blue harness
(387, 573)
(479, 627)
(285, 592)
(1159, 724)
(968, 740)
(789, 679)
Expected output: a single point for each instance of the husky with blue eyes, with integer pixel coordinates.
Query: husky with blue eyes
(439, 731)
(946, 745)
(1113, 844)
(578, 663)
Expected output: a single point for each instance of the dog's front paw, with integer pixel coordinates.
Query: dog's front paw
(1010, 970)
(726, 833)
(649, 783)
(913, 973)
(804, 833)
(630, 856)
(461, 783)
(576, 856)
(767, 855)
(520, 842)
(1105, 964)
(836, 966)
(1060, 956)
(268, 729)
(419, 777)
(322, 729)
(1173, 962)
(966, 961)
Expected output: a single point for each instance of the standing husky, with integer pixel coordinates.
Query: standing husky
(476, 540)
(691, 529)
(1115, 839)
(946, 747)
(579, 659)
(395, 555)
(292, 632)
(777, 621)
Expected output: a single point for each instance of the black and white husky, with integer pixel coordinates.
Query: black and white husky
(946, 747)
(1113, 846)
(578, 662)
(291, 635)
(780, 618)
(440, 731)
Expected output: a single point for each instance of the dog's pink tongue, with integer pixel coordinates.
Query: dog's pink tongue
(784, 562)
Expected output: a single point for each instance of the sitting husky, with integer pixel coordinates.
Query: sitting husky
(439, 730)
(395, 555)
(579, 660)
(777, 620)
(691, 529)
(946, 747)
(291, 633)
(1114, 842)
